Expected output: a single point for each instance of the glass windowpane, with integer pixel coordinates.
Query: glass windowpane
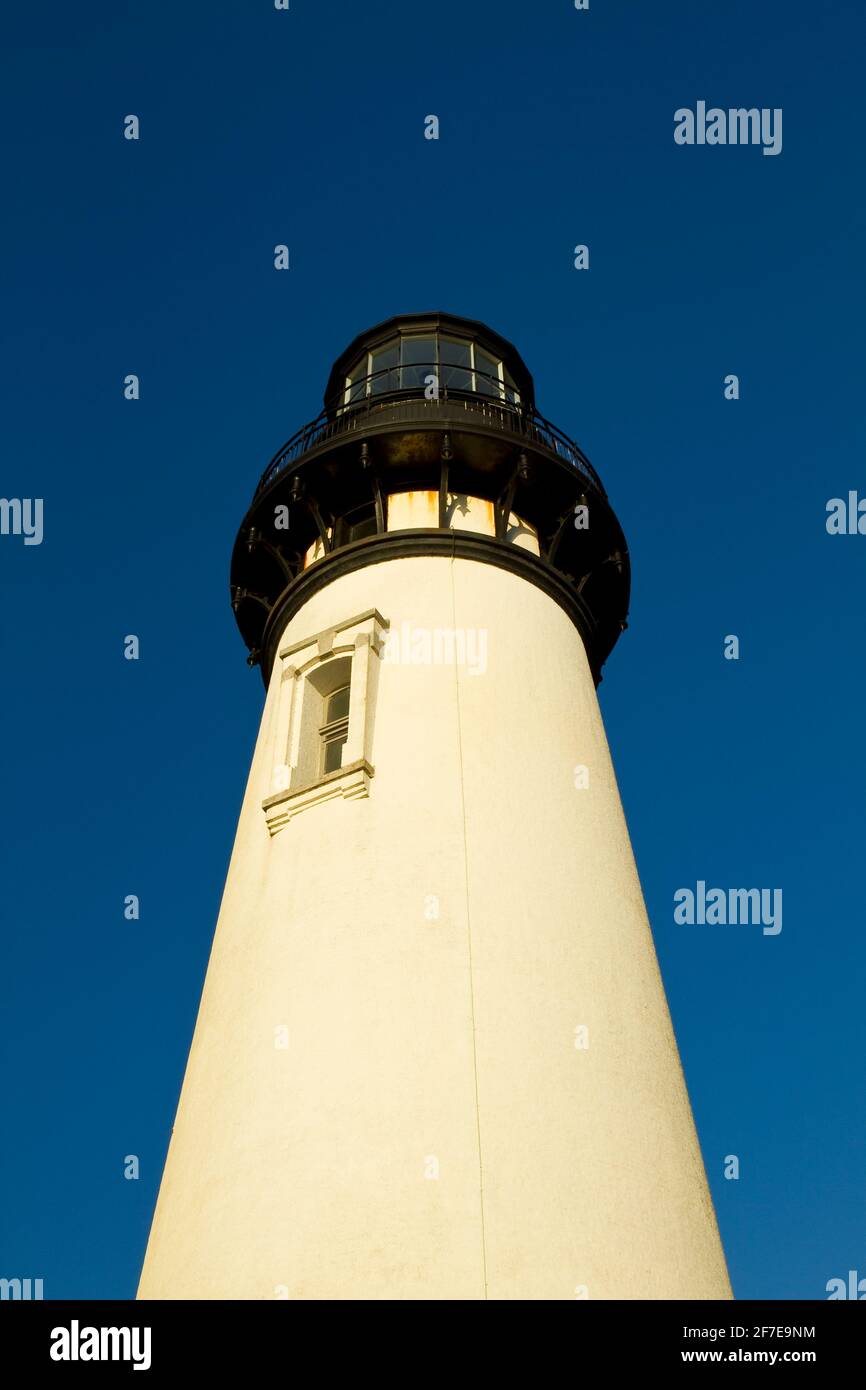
(356, 384)
(455, 364)
(337, 705)
(486, 374)
(419, 361)
(383, 371)
(332, 757)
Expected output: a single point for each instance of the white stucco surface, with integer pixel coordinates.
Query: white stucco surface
(431, 1131)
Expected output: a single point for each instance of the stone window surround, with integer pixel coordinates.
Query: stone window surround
(361, 639)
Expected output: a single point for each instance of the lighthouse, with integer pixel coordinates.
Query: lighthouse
(433, 1057)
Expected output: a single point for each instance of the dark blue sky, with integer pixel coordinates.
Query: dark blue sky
(156, 257)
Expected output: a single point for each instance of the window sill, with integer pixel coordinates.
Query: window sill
(349, 782)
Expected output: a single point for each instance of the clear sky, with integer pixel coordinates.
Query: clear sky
(156, 258)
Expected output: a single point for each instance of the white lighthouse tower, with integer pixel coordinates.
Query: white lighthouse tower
(433, 1057)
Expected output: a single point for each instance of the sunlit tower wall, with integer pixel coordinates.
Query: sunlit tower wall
(433, 1057)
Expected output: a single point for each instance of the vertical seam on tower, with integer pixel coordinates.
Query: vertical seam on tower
(468, 931)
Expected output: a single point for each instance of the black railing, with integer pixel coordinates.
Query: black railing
(496, 402)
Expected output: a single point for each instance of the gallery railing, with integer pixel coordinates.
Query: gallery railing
(378, 396)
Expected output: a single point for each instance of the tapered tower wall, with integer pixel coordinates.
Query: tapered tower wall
(430, 1129)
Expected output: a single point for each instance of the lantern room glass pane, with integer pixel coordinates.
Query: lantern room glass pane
(383, 369)
(455, 369)
(512, 395)
(419, 361)
(486, 374)
(356, 382)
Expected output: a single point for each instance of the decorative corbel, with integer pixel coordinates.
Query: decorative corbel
(256, 539)
(239, 595)
(302, 498)
(446, 453)
(380, 501)
(502, 507)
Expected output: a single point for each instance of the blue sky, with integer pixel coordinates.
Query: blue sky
(156, 257)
